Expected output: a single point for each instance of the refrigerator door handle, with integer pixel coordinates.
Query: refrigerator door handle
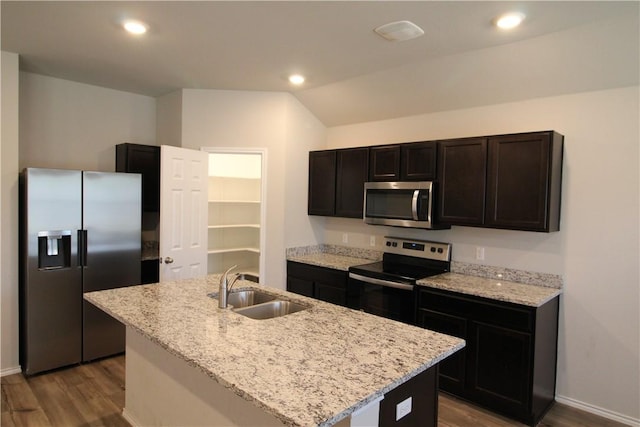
(82, 248)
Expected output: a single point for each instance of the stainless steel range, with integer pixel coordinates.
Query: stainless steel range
(387, 288)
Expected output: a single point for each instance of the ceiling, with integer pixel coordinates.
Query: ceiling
(353, 75)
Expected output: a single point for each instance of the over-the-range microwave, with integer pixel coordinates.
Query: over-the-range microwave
(400, 204)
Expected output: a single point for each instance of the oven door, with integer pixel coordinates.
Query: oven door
(393, 300)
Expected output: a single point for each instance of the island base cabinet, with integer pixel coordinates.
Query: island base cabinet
(414, 403)
(163, 390)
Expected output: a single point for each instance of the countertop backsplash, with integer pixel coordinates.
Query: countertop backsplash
(334, 250)
(520, 276)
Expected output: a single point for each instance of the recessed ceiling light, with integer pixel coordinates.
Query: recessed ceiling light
(135, 27)
(509, 20)
(296, 79)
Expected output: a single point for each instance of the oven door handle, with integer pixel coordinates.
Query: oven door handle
(381, 282)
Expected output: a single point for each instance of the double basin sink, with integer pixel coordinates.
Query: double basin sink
(260, 305)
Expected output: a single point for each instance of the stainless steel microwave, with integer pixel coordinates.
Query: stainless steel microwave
(400, 204)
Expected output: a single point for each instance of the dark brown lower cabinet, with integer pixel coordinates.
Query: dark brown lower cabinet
(509, 362)
(326, 284)
(423, 391)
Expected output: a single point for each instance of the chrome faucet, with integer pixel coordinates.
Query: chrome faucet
(225, 287)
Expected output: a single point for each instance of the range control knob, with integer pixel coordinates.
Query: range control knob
(439, 250)
(395, 244)
(388, 243)
(433, 249)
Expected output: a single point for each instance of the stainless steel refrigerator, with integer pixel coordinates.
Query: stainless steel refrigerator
(80, 232)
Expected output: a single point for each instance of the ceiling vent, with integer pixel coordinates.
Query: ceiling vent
(399, 31)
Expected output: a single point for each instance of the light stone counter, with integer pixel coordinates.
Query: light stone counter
(496, 289)
(337, 262)
(526, 288)
(314, 367)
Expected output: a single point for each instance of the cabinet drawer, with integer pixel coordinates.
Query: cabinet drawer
(336, 278)
(495, 313)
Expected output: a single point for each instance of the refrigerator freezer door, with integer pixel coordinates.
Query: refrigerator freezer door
(50, 309)
(111, 219)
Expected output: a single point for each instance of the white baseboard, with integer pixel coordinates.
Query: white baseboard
(605, 413)
(130, 418)
(10, 371)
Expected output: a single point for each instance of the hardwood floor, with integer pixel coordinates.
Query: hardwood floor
(93, 395)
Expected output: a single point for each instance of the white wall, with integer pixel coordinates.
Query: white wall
(596, 250)
(69, 125)
(9, 222)
(62, 124)
(274, 121)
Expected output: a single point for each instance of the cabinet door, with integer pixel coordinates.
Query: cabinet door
(329, 293)
(462, 168)
(322, 183)
(452, 369)
(352, 171)
(418, 161)
(300, 286)
(519, 183)
(500, 367)
(384, 163)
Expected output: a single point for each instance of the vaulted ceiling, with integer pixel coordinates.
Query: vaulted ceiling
(352, 74)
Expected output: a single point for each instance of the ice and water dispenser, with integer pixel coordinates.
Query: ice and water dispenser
(54, 249)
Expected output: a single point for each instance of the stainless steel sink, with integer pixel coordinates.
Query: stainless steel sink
(271, 309)
(247, 298)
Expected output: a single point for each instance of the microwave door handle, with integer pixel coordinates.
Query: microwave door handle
(414, 205)
(381, 282)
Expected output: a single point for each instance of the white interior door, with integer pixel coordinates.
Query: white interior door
(183, 213)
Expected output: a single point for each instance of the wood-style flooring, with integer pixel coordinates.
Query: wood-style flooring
(93, 395)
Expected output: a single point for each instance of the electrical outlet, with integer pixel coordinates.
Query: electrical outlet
(479, 253)
(372, 240)
(403, 408)
(345, 238)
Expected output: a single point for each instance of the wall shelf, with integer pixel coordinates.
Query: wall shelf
(221, 226)
(235, 201)
(228, 250)
(233, 223)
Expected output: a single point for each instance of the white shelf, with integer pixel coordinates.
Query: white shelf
(228, 250)
(223, 226)
(235, 201)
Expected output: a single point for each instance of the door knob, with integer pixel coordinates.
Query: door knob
(168, 260)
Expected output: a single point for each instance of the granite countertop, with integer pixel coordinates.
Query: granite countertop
(313, 367)
(496, 289)
(335, 261)
(486, 287)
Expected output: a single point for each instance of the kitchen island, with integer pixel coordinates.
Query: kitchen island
(320, 366)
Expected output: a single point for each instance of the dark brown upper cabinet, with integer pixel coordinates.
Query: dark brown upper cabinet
(414, 161)
(524, 181)
(336, 182)
(322, 183)
(418, 161)
(506, 181)
(384, 163)
(462, 165)
(352, 173)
